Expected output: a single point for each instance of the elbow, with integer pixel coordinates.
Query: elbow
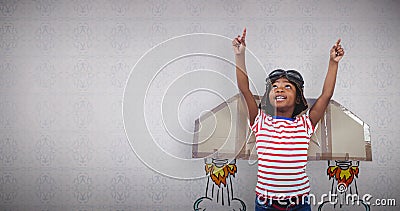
(245, 90)
(326, 96)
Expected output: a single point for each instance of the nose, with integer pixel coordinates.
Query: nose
(279, 89)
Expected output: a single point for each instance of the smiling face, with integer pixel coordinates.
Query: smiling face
(283, 97)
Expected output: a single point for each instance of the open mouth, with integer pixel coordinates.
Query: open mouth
(280, 98)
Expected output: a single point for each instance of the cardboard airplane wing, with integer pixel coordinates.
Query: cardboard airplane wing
(224, 132)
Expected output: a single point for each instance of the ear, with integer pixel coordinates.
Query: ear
(298, 100)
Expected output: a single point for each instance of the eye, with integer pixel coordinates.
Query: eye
(274, 86)
(288, 86)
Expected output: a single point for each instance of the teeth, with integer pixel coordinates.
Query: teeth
(280, 98)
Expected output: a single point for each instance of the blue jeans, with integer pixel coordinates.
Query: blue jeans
(268, 206)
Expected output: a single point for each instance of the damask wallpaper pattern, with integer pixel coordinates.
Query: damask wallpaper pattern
(64, 65)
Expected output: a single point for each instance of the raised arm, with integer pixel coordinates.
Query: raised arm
(239, 47)
(318, 109)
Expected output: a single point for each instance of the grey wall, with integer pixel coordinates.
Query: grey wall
(64, 65)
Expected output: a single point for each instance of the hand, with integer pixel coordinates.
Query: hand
(239, 43)
(337, 52)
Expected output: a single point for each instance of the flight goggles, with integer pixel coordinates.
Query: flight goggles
(291, 75)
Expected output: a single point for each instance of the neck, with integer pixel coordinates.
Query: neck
(284, 112)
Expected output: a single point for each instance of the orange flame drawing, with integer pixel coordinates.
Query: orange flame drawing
(344, 176)
(219, 174)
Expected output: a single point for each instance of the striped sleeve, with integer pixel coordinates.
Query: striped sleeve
(258, 121)
(305, 118)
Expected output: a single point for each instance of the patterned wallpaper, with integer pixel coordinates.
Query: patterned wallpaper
(64, 66)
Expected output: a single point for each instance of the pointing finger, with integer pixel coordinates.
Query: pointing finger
(338, 42)
(244, 33)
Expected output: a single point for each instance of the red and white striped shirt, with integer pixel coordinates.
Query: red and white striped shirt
(282, 145)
